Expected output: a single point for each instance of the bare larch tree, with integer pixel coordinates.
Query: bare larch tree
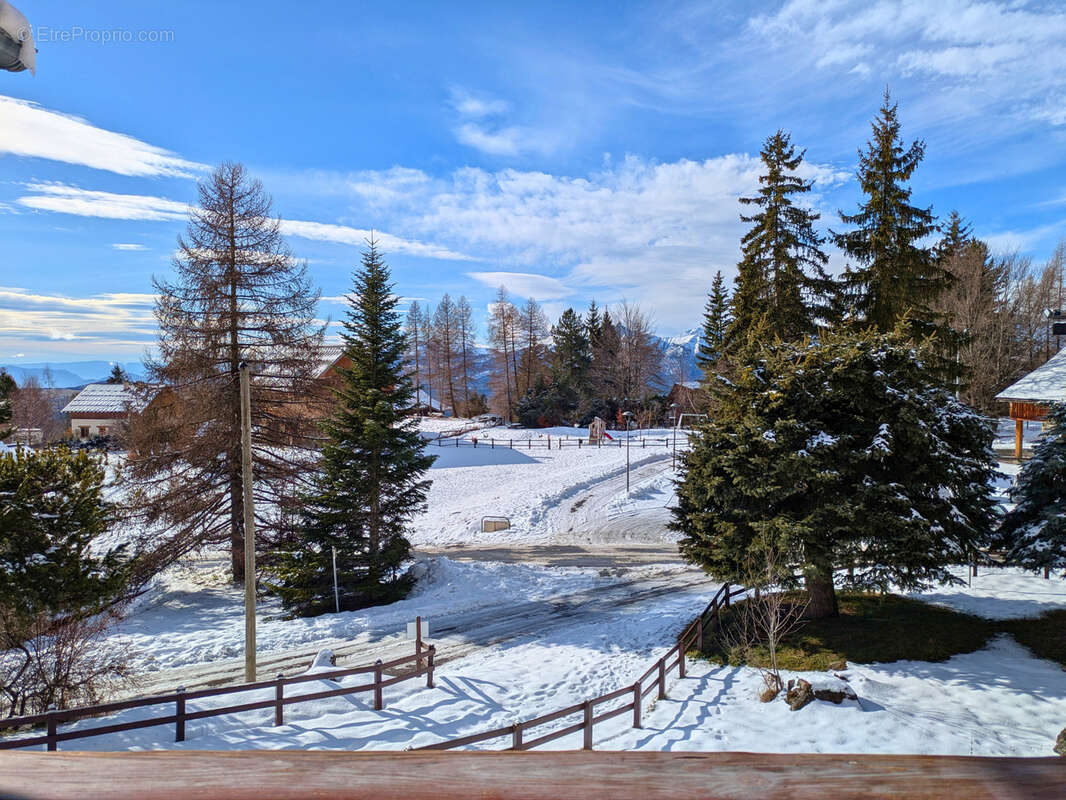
(237, 295)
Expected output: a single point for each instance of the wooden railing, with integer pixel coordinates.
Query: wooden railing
(179, 699)
(653, 680)
(548, 443)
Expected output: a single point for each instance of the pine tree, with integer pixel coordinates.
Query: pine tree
(837, 453)
(570, 362)
(1034, 531)
(371, 480)
(782, 271)
(894, 273)
(118, 375)
(8, 387)
(502, 322)
(716, 320)
(957, 234)
(466, 340)
(444, 323)
(53, 518)
(532, 330)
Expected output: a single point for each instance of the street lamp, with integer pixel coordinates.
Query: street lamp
(17, 49)
(673, 458)
(628, 415)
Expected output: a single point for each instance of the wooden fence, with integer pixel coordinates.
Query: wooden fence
(547, 443)
(653, 680)
(423, 660)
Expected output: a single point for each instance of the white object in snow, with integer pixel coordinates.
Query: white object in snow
(412, 629)
(18, 51)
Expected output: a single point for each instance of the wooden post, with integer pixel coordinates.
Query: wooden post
(51, 728)
(637, 701)
(249, 524)
(179, 712)
(378, 704)
(1047, 573)
(279, 701)
(429, 666)
(516, 736)
(587, 744)
(681, 659)
(1018, 437)
(418, 644)
(662, 678)
(699, 634)
(726, 599)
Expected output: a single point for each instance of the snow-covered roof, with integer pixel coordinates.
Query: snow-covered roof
(329, 354)
(103, 398)
(1046, 384)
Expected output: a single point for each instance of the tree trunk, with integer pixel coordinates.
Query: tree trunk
(822, 596)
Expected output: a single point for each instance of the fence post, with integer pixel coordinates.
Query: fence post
(637, 701)
(516, 736)
(588, 725)
(51, 728)
(699, 633)
(726, 595)
(662, 678)
(179, 712)
(418, 645)
(378, 705)
(279, 701)
(681, 659)
(429, 666)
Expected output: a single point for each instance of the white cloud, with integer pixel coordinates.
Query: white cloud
(343, 234)
(524, 284)
(471, 105)
(125, 320)
(36, 132)
(67, 199)
(130, 247)
(982, 54)
(501, 142)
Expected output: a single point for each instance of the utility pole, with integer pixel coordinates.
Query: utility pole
(249, 524)
(627, 415)
(673, 457)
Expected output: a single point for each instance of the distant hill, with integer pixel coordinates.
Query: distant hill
(71, 374)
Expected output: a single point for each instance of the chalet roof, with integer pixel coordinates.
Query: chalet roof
(329, 355)
(1046, 384)
(103, 398)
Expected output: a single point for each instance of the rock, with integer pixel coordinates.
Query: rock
(1060, 743)
(838, 666)
(768, 694)
(799, 694)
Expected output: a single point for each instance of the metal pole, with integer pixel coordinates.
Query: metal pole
(627, 456)
(249, 525)
(336, 593)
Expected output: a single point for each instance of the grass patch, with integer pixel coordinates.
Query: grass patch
(1045, 635)
(872, 628)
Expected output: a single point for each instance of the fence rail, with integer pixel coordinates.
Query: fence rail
(423, 659)
(654, 679)
(558, 443)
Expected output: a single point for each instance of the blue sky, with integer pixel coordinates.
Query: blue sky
(568, 151)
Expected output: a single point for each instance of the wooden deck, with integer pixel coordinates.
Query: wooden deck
(299, 775)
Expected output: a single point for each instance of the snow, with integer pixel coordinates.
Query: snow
(999, 701)
(1045, 384)
(999, 593)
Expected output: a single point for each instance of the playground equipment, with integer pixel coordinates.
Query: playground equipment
(597, 430)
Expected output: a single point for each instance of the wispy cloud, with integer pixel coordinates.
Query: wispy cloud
(129, 247)
(470, 105)
(524, 284)
(479, 128)
(35, 132)
(125, 319)
(343, 234)
(66, 199)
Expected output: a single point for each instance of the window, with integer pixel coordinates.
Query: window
(103, 430)
(83, 432)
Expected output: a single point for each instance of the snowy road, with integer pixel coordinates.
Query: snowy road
(456, 635)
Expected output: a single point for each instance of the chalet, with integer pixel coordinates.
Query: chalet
(332, 358)
(1030, 397)
(687, 397)
(99, 408)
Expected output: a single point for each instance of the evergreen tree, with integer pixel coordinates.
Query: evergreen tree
(573, 354)
(837, 453)
(716, 319)
(118, 375)
(52, 514)
(8, 388)
(371, 480)
(957, 235)
(782, 271)
(1034, 531)
(414, 356)
(894, 274)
